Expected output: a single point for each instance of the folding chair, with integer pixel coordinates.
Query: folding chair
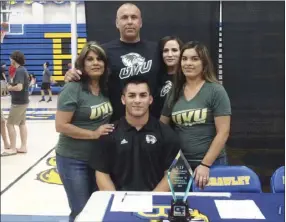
(277, 181)
(235, 179)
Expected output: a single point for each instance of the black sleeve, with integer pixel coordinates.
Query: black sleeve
(171, 144)
(101, 154)
(161, 71)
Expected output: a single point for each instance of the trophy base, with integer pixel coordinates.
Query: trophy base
(172, 219)
(179, 211)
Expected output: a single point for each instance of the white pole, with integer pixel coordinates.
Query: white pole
(220, 11)
(220, 58)
(73, 32)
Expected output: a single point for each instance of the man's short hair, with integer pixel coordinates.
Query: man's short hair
(47, 64)
(138, 79)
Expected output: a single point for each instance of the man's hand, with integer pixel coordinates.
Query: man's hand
(72, 75)
(103, 130)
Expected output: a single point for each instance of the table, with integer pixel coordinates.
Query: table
(98, 206)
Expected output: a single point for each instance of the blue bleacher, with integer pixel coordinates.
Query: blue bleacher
(38, 48)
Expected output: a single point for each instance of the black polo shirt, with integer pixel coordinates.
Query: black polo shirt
(136, 160)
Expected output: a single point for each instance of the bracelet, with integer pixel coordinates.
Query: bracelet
(205, 165)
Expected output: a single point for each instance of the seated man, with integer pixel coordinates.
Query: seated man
(137, 154)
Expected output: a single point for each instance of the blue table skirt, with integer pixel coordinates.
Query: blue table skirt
(268, 204)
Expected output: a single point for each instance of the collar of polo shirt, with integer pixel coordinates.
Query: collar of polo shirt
(149, 126)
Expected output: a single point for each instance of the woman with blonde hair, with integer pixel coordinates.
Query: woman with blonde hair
(200, 110)
(83, 114)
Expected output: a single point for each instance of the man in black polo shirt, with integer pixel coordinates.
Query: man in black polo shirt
(136, 155)
(127, 56)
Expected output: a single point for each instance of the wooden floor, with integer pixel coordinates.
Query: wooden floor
(30, 184)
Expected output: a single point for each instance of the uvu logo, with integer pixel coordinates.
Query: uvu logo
(190, 117)
(135, 64)
(101, 110)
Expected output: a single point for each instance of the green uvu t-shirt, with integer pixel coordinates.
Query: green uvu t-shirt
(194, 119)
(90, 112)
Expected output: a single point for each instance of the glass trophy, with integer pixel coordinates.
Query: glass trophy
(180, 177)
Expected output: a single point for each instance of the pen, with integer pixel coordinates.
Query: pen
(132, 194)
(124, 197)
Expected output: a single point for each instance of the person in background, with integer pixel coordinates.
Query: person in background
(11, 71)
(3, 132)
(82, 116)
(69, 66)
(33, 82)
(169, 49)
(46, 82)
(138, 153)
(18, 88)
(3, 80)
(200, 110)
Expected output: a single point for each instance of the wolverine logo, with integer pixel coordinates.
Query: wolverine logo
(166, 88)
(50, 176)
(132, 59)
(190, 117)
(135, 64)
(101, 111)
(151, 139)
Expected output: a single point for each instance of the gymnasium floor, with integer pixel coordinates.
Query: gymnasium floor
(30, 184)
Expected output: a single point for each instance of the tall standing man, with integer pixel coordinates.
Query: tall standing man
(128, 56)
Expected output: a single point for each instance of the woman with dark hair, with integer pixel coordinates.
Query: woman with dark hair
(83, 114)
(200, 110)
(169, 51)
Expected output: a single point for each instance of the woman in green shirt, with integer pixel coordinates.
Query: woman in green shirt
(200, 110)
(83, 114)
